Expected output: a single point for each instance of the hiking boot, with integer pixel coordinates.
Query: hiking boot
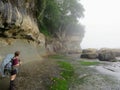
(12, 85)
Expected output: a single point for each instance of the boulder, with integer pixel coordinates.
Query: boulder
(106, 55)
(116, 52)
(89, 53)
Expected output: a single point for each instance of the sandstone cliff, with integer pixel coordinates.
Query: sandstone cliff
(19, 31)
(66, 42)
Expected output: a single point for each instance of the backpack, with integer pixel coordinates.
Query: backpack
(6, 65)
(8, 68)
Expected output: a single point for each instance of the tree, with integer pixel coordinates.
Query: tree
(56, 15)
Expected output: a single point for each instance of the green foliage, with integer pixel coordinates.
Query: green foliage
(88, 63)
(40, 8)
(71, 10)
(59, 84)
(57, 15)
(45, 31)
(67, 72)
(52, 15)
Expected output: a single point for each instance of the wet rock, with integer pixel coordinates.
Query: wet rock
(106, 55)
(89, 53)
(116, 52)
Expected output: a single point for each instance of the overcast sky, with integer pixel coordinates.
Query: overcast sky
(102, 21)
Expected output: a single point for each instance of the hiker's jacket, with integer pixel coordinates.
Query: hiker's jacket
(15, 61)
(15, 66)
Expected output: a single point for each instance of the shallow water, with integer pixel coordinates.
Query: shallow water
(105, 76)
(112, 69)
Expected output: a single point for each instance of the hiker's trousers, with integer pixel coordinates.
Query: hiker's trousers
(14, 71)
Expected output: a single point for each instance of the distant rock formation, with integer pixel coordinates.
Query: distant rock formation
(116, 52)
(103, 54)
(67, 43)
(106, 55)
(89, 53)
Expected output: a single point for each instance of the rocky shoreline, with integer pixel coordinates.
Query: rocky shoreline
(104, 76)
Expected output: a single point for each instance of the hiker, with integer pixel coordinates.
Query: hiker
(15, 65)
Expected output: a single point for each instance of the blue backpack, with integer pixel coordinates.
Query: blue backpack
(8, 68)
(6, 65)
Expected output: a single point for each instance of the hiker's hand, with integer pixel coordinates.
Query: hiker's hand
(20, 62)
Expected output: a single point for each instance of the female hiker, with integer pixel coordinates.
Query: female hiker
(15, 65)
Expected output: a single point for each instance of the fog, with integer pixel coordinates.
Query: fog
(102, 21)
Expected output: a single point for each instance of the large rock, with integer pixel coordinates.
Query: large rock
(106, 55)
(116, 52)
(89, 53)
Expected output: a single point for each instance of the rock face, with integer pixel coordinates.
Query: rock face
(17, 21)
(66, 42)
(73, 40)
(19, 30)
